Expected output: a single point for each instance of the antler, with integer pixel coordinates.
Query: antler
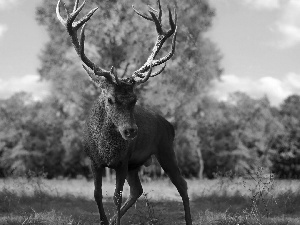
(72, 28)
(141, 75)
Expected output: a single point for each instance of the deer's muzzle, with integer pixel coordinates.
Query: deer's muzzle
(130, 132)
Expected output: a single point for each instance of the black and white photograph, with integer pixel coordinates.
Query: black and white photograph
(151, 112)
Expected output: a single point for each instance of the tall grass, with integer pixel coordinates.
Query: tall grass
(262, 201)
(228, 200)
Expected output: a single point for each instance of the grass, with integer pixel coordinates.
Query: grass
(224, 201)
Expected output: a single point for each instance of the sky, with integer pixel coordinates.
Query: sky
(259, 41)
(260, 44)
(21, 42)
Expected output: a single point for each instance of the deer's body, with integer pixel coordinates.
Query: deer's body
(119, 134)
(106, 147)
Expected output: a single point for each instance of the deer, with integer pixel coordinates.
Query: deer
(120, 134)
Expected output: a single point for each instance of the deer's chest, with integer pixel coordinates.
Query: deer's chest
(111, 148)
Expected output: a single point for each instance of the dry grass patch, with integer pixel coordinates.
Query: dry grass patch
(225, 201)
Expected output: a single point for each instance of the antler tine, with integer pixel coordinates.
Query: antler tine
(146, 77)
(171, 21)
(171, 53)
(70, 16)
(157, 22)
(142, 15)
(76, 5)
(162, 37)
(63, 22)
(115, 75)
(151, 8)
(159, 10)
(141, 75)
(160, 71)
(84, 19)
(72, 28)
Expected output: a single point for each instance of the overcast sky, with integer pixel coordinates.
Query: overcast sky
(21, 41)
(259, 40)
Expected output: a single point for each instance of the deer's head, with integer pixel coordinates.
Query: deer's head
(119, 100)
(118, 94)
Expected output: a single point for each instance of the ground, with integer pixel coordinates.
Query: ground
(222, 201)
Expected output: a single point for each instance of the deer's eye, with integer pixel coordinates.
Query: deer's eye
(132, 104)
(110, 101)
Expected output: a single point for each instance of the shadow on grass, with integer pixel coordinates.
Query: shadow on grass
(43, 208)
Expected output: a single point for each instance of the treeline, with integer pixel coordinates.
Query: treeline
(238, 135)
(38, 136)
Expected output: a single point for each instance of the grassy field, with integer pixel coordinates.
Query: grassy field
(252, 201)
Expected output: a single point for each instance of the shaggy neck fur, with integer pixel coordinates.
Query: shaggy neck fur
(111, 147)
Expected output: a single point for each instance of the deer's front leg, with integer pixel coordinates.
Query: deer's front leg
(97, 172)
(121, 173)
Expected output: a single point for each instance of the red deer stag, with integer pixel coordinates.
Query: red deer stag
(120, 134)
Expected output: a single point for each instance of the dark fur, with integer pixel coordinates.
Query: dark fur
(107, 146)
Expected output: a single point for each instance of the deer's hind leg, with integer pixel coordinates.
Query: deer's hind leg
(167, 159)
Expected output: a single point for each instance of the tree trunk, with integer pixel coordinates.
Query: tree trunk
(201, 163)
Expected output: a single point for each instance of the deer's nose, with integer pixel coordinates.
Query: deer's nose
(130, 132)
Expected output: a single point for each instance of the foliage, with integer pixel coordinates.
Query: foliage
(30, 137)
(287, 159)
(238, 135)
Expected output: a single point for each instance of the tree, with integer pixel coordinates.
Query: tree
(216, 129)
(238, 135)
(117, 36)
(29, 136)
(258, 129)
(287, 159)
(11, 132)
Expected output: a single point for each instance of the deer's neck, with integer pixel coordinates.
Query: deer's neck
(110, 146)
